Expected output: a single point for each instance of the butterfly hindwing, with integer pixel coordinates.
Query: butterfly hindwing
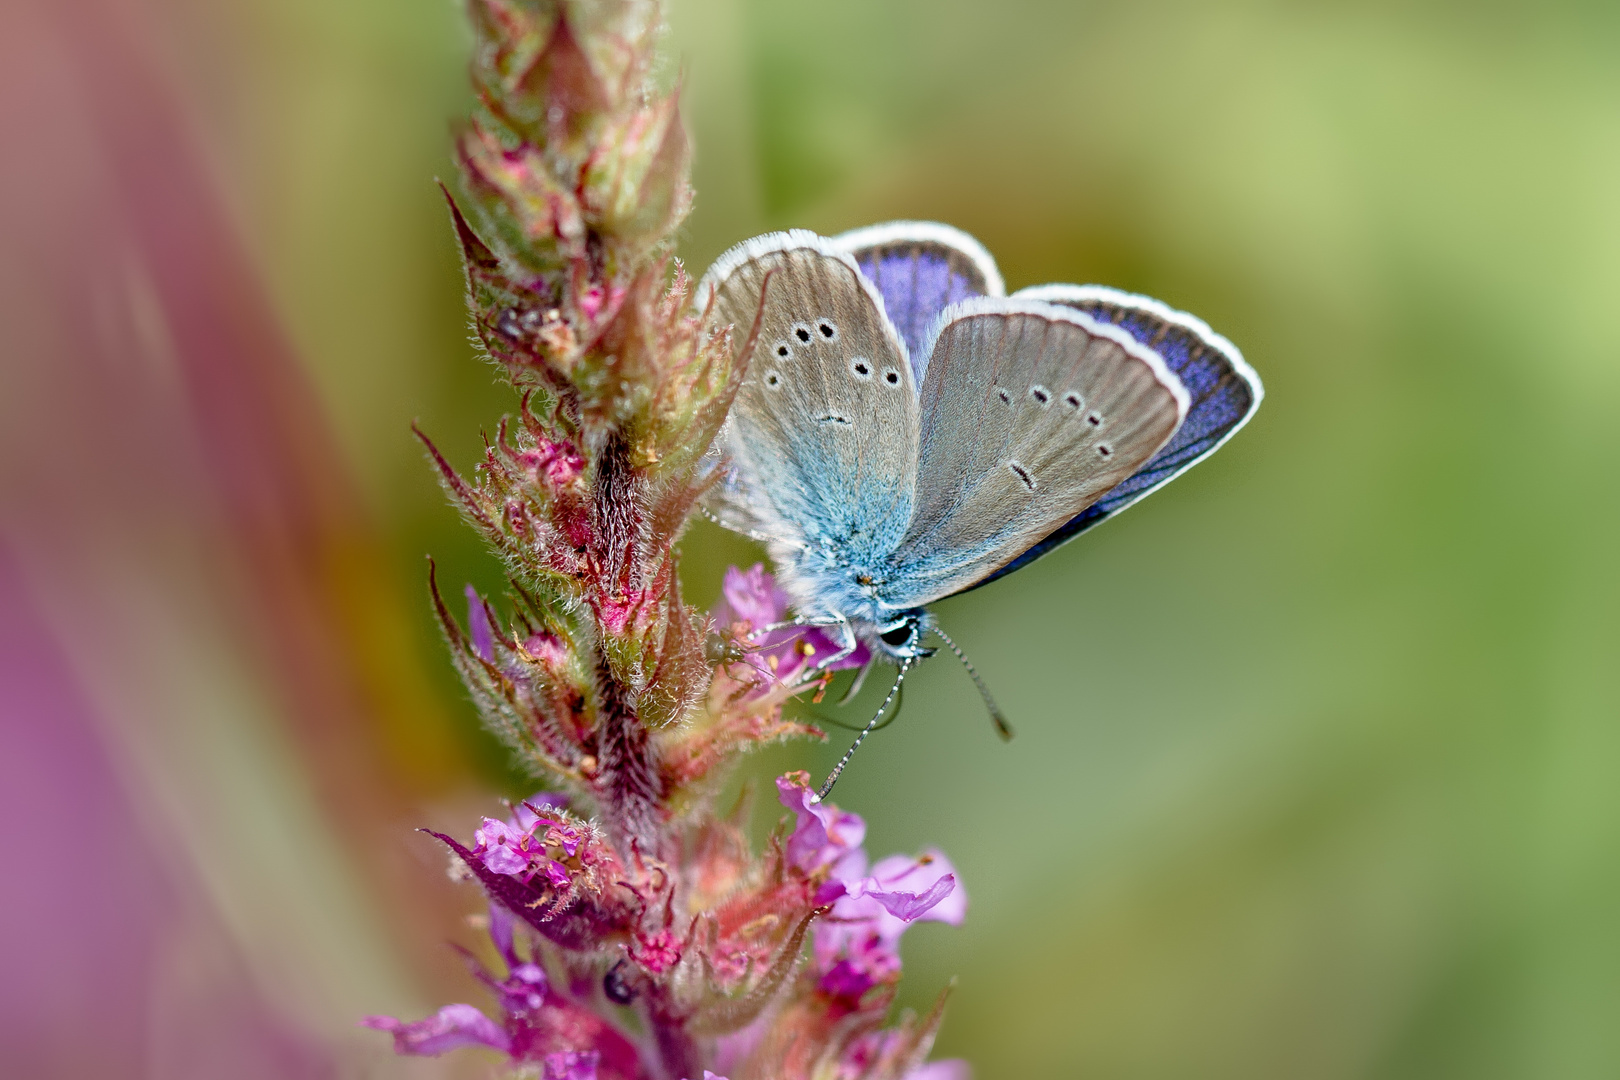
(1031, 412)
(920, 268)
(822, 436)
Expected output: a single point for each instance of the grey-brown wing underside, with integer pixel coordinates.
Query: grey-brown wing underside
(822, 438)
(1030, 413)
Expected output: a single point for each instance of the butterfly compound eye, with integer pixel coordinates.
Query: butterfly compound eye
(899, 636)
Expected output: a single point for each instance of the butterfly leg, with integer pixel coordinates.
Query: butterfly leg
(846, 636)
(786, 624)
(846, 641)
(860, 680)
(753, 534)
(842, 633)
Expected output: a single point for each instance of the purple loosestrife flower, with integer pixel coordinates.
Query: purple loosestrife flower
(537, 1023)
(451, 1028)
(824, 836)
(640, 935)
(857, 941)
(527, 845)
(753, 601)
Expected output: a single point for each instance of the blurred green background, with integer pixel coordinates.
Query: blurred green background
(1318, 760)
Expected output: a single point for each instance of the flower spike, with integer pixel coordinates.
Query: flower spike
(642, 937)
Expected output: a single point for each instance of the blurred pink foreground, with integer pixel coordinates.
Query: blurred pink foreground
(183, 582)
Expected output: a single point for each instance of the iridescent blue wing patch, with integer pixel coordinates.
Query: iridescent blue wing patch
(920, 268)
(1224, 392)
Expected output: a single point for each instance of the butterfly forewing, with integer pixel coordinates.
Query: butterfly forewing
(1223, 392)
(1030, 413)
(822, 436)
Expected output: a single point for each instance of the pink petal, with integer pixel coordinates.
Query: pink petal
(502, 928)
(909, 906)
(751, 596)
(901, 873)
(503, 860)
(824, 833)
(948, 1069)
(571, 1065)
(478, 628)
(451, 1027)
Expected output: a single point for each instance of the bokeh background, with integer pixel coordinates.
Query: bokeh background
(1318, 764)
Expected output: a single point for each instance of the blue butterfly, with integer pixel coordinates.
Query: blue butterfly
(906, 431)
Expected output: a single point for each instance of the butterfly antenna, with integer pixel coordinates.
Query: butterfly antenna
(871, 725)
(1003, 728)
